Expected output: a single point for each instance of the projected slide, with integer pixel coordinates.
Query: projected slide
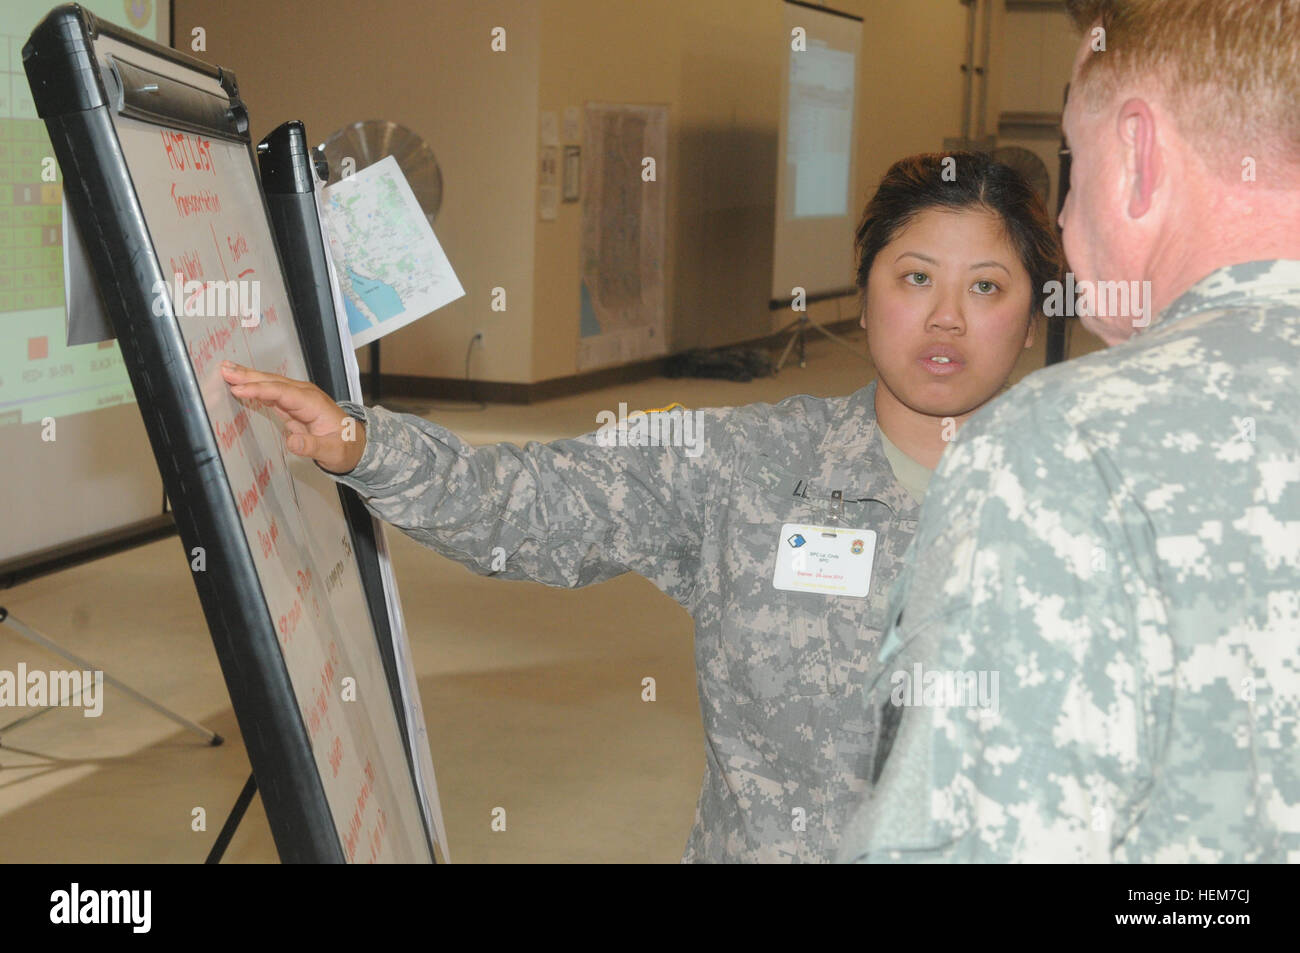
(40, 375)
(816, 205)
(818, 137)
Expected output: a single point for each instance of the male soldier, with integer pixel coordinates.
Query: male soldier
(1114, 545)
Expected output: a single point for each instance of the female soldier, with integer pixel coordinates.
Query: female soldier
(781, 533)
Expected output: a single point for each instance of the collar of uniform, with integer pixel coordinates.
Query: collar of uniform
(851, 458)
(1240, 284)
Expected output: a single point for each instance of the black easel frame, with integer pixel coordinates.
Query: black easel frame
(71, 97)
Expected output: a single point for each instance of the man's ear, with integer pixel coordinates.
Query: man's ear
(1137, 133)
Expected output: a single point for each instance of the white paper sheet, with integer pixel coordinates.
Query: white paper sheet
(87, 320)
(390, 267)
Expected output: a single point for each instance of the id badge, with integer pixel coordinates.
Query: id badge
(831, 560)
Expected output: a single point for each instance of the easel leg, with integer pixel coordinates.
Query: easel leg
(800, 328)
(31, 635)
(831, 335)
(236, 815)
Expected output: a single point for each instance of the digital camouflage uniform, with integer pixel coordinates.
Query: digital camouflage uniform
(1118, 538)
(779, 673)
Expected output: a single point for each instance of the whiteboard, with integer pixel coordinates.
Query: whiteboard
(194, 206)
(293, 521)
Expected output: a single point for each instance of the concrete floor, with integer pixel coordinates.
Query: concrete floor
(532, 695)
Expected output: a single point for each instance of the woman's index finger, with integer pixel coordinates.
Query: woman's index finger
(239, 374)
(283, 394)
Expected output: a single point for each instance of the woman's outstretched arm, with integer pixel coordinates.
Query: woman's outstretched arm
(566, 513)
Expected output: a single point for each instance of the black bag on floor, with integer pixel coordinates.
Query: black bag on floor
(729, 363)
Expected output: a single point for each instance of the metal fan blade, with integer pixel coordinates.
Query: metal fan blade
(1029, 165)
(371, 140)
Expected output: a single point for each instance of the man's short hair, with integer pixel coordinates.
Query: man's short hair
(1229, 70)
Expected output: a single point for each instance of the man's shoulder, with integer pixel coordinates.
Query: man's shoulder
(1040, 404)
(1188, 367)
(1143, 415)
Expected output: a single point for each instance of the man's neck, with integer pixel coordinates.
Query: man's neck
(1247, 225)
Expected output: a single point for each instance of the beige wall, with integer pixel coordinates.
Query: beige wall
(716, 64)
(428, 65)
(1040, 46)
(910, 80)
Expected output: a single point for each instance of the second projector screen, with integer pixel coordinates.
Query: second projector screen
(814, 208)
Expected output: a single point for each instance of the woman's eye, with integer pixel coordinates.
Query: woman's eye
(985, 287)
(920, 278)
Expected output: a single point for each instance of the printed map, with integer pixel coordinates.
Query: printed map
(391, 268)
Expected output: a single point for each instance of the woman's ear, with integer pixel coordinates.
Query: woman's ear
(1034, 318)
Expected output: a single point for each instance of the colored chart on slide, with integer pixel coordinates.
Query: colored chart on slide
(40, 376)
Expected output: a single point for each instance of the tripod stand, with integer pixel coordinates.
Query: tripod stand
(800, 327)
(211, 737)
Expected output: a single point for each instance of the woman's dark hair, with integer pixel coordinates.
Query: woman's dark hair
(970, 180)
